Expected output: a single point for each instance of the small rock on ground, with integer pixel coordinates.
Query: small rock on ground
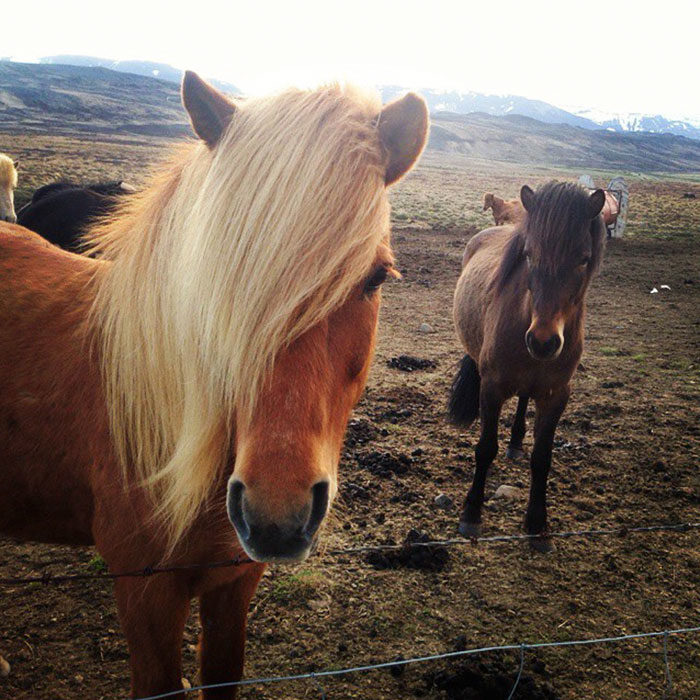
(5, 667)
(425, 328)
(442, 500)
(507, 492)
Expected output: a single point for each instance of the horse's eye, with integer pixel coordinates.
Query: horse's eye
(584, 260)
(375, 280)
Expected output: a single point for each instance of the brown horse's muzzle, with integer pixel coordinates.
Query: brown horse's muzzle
(276, 540)
(545, 341)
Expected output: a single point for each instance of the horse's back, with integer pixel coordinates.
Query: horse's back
(475, 287)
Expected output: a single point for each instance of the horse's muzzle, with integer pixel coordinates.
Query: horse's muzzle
(547, 350)
(265, 539)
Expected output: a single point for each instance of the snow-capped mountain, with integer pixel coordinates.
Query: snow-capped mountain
(501, 105)
(634, 121)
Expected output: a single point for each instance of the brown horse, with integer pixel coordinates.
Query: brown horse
(519, 313)
(202, 372)
(504, 211)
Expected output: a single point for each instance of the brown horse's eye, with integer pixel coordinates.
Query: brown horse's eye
(375, 280)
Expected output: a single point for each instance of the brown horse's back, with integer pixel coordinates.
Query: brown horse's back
(475, 287)
(48, 385)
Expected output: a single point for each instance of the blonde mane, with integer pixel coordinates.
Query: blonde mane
(225, 259)
(8, 173)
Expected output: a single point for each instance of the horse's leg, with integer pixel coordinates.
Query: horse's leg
(153, 612)
(548, 412)
(223, 613)
(490, 402)
(517, 433)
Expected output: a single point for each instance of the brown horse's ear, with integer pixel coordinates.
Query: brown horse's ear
(403, 128)
(210, 111)
(512, 257)
(595, 203)
(527, 197)
(488, 201)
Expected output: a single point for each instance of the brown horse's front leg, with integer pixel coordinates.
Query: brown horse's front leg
(223, 613)
(153, 612)
(517, 433)
(490, 402)
(548, 412)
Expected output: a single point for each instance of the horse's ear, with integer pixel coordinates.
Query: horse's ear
(512, 257)
(16, 164)
(209, 110)
(403, 129)
(488, 201)
(595, 203)
(527, 197)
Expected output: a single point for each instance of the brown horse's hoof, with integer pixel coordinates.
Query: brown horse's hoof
(469, 530)
(515, 453)
(541, 544)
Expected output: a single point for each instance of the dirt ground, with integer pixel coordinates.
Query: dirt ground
(626, 454)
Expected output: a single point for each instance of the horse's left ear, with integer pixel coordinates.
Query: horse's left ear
(16, 164)
(595, 203)
(527, 197)
(403, 128)
(210, 111)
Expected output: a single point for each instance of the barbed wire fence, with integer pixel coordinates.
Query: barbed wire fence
(316, 676)
(47, 577)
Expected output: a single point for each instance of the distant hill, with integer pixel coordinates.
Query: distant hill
(496, 105)
(162, 71)
(62, 99)
(520, 139)
(67, 99)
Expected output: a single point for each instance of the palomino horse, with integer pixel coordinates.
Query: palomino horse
(519, 313)
(202, 372)
(8, 182)
(504, 211)
(61, 212)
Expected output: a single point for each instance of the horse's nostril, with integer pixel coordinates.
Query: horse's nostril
(319, 506)
(234, 506)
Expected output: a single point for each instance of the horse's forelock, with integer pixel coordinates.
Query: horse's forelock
(558, 221)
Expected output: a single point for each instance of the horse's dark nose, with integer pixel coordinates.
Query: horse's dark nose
(10, 218)
(266, 539)
(543, 350)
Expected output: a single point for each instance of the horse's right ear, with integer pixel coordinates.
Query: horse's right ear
(209, 110)
(488, 201)
(403, 129)
(512, 257)
(527, 197)
(16, 164)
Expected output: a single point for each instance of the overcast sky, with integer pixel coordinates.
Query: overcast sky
(613, 55)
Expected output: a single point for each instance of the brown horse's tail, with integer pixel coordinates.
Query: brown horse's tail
(464, 393)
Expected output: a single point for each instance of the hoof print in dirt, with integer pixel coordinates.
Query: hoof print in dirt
(384, 464)
(474, 680)
(410, 556)
(408, 363)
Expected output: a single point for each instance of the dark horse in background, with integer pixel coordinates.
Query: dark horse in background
(519, 312)
(60, 212)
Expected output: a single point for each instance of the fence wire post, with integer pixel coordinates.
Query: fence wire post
(319, 687)
(669, 682)
(520, 672)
